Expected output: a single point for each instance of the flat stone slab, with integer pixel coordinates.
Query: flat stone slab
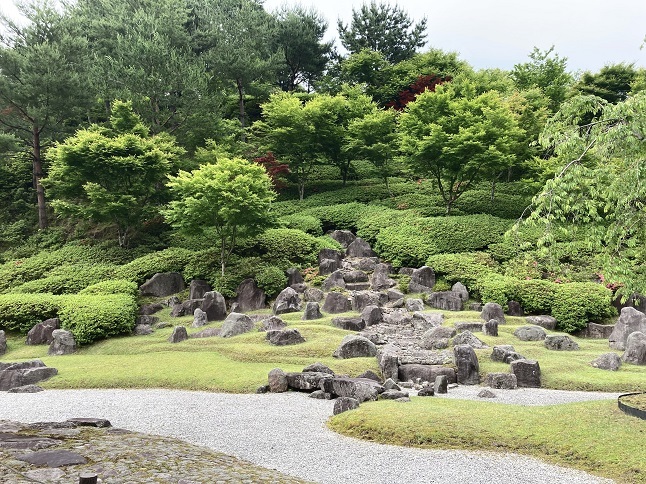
(10, 440)
(53, 458)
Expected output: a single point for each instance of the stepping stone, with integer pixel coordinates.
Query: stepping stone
(53, 458)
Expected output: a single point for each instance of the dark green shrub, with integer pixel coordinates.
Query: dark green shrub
(372, 221)
(404, 281)
(288, 247)
(68, 279)
(466, 267)
(286, 207)
(111, 286)
(91, 318)
(339, 217)
(271, 279)
(504, 205)
(496, 288)
(426, 204)
(305, 223)
(536, 296)
(169, 260)
(577, 303)
(20, 312)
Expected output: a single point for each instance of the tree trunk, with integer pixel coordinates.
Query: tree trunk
(241, 113)
(301, 190)
(38, 175)
(222, 253)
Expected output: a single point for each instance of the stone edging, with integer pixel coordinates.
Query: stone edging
(629, 410)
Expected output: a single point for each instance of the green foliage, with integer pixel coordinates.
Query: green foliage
(369, 225)
(466, 268)
(169, 260)
(612, 83)
(285, 247)
(20, 312)
(496, 288)
(403, 283)
(577, 303)
(305, 223)
(94, 317)
(536, 296)
(504, 206)
(271, 279)
(68, 279)
(111, 286)
(344, 216)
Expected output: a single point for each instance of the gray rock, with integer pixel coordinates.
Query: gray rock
(560, 343)
(288, 301)
(447, 300)
(146, 319)
(505, 354)
(294, 276)
(163, 284)
(441, 384)
(388, 362)
(26, 389)
(172, 301)
(318, 368)
(425, 321)
(41, 333)
(335, 279)
(426, 391)
(277, 380)
(528, 373)
(143, 330)
(433, 335)
(355, 276)
(390, 384)
(313, 294)
(344, 404)
(328, 266)
(371, 375)
(272, 323)
(198, 288)
(429, 373)
(361, 389)
(399, 317)
(312, 311)
(490, 328)
(299, 288)
(414, 304)
(3, 343)
(422, 280)
(336, 302)
(473, 326)
(544, 321)
(475, 307)
(186, 308)
(607, 361)
(468, 338)
(468, 369)
(178, 335)
(630, 320)
(406, 271)
(63, 343)
(14, 375)
(366, 264)
(493, 311)
(530, 333)
(235, 324)
(206, 333)
(359, 248)
(353, 346)
(249, 296)
(371, 315)
(596, 331)
(343, 237)
(320, 395)
(214, 306)
(96, 423)
(486, 393)
(392, 395)
(148, 309)
(514, 308)
(349, 324)
(308, 381)
(52, 458)
(394, 294)
(635, 349)
(461, 290)
(399, 303)
(200, 318)
(505, 381)
(331, 254)
(362, 299)
(285, 337)
(380, 278)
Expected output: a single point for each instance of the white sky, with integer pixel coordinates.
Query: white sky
(501, 33)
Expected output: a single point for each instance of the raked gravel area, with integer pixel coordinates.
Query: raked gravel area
(287, 432)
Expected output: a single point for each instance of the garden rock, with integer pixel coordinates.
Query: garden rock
(214, 306)
(362, 299)
(413, 305)
(406, 271)
(441, 384)
(206, 333)
(328, 266)
(353, 346)
(630, 320)
(426, 391)
(349, 324)
(143, 329)
(493, 311)
(288, 301)
(596, 331)
(361, 389)
(178, 335)
(490, 328)
(312, 311)
(429, 373)
(343, 237)
(3, 342)
(285, 337)
(52, 458)
(294, 276)
(163, 284)
(320, 395)
(41, 333)
(344, 404)
(467, 365)
(425, 321)
(366, 264)
(249, 296)
(335, 279)
(607, 361)
(14, 375)
(528, 373)
(148, 309)
(447, 300)
(486, 393)
(560, 343)
(530, 333)
(146, 320)
(313, 294)
(336, 302)
(380, 279)
(475, 307)
(277, 380)
(514, 308)
(390, 384)
(635, 349)
(63, 343)
(199, 318)
(371, 375)
(272, 323)
(198, 288)
(186, 308)
(468, 338)
(399, 303)
(26, 389)
(307, 381)
(505, 354)
(461, 290)
(331, 254)
(475, 326)
(394, 294)
(547, 322)
(388, 362)
(318, 368)
(392, 395)
(371, 315)
(504, 381)
(422, 280)
(359, 248)
(355, 276)
(431, 337)
(235, 324)
(398, 317)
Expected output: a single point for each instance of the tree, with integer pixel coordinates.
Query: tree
(112, 175)
(457, 140)
(612, 83)
(42, 90)
(383, 28)
(600, 185)
(546, 71)
(298, 34)
(233, 196)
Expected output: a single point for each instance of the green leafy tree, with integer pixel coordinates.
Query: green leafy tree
(612, 83)
(600, 184)
(383, 28)
(112, 175)
(458, 140)
(233, 196)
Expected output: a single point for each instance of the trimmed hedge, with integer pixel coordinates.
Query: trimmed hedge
(68, 279)
(466, 268)
(305, 223)
(369, 225)
(344, 216)
(504, 206)
(20, 312)
(112, 286)
(290, 247)
(169, 260)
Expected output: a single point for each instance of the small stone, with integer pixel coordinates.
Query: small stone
(607, 361)
(486, 393)
(277, 381)
(343, 404)
(440, 385)
(426, 391)
(320, 395)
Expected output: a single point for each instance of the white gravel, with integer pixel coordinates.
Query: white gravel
(287, 432)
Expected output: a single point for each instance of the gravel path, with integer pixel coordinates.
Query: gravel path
(287, 432)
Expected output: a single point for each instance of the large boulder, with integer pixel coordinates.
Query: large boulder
(331, 254)
(504, 381)
(493, 311)
(635, 349)
(530, 333)
(362, 299)
(490, 328)
(294, 276)
(371, 315)
(272, 323)
(514, 308)
(163, 284)
(359, 248)
(381, 279)
(544, 321)
(199, 318)
(41, 333)
(447, 300)
(630, 320)
(422, 280)
(214, 306)
(344, 404)
(559, 342)
(428, 373)
(461, 290)
(355, 276)
(425, 321)
(362, 389)
(328, 266)
(414, 304)
(335, 279)
(63, 343)
(307, 381)
(313, 294)
(469, 339)
(399, 317)
(336, 302)
(528, 373)
(178, 335)
(198, 288)
(505, 354)
(285, 337)
(473, 326)
(235, 324)
(353, 346)
(277, 380)
(437, 338)
(288, 301)
(607, 361)
(186, 308)
(466, 361)
(312, 311)
(343, 237)
(249, 296)
(349, 324)
(15, 375)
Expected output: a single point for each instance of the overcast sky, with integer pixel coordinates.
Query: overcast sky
(501, 33)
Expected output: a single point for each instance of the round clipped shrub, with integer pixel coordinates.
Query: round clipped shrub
(305, 223)
(68, 279)
(291, 247)
(536, 295)
(344, 216)
(496, 288)
(111, 286)
(372, 221)
(271, 279)
(577, 303)
(508, 206)
(465, 267)
(169, 260)
(20, 312)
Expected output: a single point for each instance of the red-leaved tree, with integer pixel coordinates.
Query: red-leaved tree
(274, 168)
(423, 83)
